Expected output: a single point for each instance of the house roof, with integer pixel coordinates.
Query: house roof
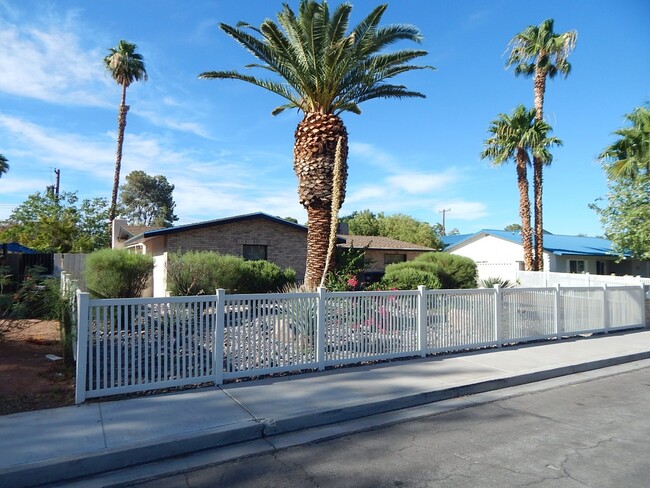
(555, 244)
(381, 243)
(210, 223)
(14, 247)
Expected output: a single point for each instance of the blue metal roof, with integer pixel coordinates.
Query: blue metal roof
(555, 244)
(17, 248)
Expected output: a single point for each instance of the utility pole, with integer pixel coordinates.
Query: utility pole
(57, 172)
(443, 212)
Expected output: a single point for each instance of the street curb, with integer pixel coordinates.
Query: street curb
(71, 467)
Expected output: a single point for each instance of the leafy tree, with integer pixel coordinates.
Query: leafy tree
(290, 219)
(4, 165)
(397, 226)
(323, 71)
(50, 223)
(125, 66)
(515, 137)
(630, 154)
(405, 228)
(363, 223)
(513, 227)
(627, 213)
(148, 200)
(539, 52)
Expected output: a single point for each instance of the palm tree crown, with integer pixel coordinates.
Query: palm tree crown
(323, 70)
(538, 48)
(4, 165)
(630, 154)
(125, 65)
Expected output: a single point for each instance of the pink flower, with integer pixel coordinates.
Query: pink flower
(353, 282)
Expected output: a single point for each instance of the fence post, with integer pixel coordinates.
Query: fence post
(422, 320)
(83, 323)
(558, 306)
(217, 337)
(320, 327)
(605, 309)
(498, 313)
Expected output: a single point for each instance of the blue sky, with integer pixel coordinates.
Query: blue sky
(218, 143)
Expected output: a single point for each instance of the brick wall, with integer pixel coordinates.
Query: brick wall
(286, 247)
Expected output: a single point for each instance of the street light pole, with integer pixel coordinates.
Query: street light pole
(443, 212)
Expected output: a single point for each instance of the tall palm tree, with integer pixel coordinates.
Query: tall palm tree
(518, 136)
(630, 155)
(322, 70)
(125, 66)
(4, 165)
(539, 52)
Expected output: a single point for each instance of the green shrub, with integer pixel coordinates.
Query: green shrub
(263, 277)
(454, 271)
(113, 273)
(202, 272)
(408, 278)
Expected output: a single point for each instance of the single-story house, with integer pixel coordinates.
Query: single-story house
(499, 253)
(382, 251)
(251, 236)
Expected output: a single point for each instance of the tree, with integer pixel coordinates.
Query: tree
(397, 226)
(517, 136)
(539, 52)
(627, 164)
(125, 66)
(49, 223)
(148, 200)
(4, 165)
(323, 71)
(630, 154)
(513, 227)
(363, 223)
(627, 213)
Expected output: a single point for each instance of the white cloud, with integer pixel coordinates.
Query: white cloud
(420, 183)
(48, 63)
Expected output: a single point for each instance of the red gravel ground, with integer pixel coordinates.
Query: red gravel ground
(29, 380)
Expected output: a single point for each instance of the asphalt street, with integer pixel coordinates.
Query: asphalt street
(590, 434)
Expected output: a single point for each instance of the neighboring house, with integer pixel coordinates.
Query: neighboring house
(499, 253)
(122, 232)
(252, 236)
(382, 251)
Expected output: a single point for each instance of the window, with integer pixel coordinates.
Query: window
(600, 267)
(394, 258)
(254, 252)
(576, 266)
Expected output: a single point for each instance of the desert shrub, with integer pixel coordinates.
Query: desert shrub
(263, 277)
(202, 272)
(37, 297)
(408, 278)
(491, 281)
(116, 273)
(454, 271)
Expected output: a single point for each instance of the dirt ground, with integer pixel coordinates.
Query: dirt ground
(28, 379)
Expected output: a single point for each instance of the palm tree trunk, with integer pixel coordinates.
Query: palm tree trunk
(539, 87)
(524, 209)
(318, 227)
(315, 149)
(121, 126)
(538, 165)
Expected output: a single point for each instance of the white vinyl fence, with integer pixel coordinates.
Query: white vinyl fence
(129, 345)
(546, 278)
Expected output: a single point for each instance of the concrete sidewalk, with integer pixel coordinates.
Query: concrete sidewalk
(53, 445)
